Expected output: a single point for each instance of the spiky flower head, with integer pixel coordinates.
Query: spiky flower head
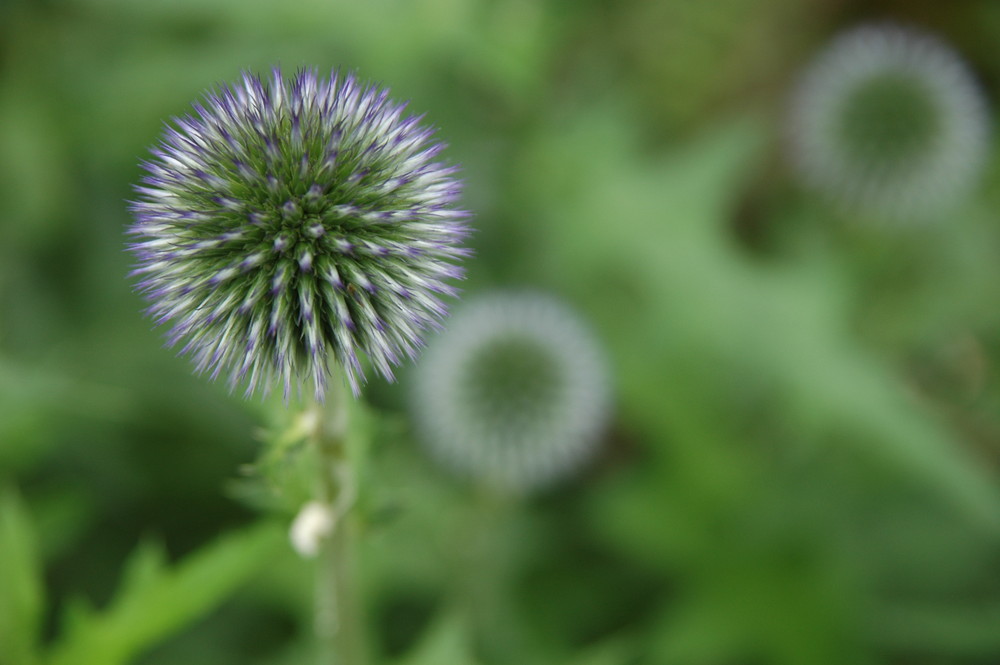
(889, 120)
(514, 393)
(295, 224)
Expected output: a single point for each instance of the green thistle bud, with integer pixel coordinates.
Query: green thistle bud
(513, 393)
(889, 120)
(294, 224)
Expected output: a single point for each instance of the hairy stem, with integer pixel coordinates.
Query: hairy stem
(337, 620)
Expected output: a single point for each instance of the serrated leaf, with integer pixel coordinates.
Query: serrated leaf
(156, 600)
(786, 326)
(22, 594)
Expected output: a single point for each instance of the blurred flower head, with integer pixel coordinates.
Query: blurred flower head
(291, 224)
(889, 120)
(513, 393)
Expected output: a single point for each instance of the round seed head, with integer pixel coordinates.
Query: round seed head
(513, 393)
(889, 120)
(293, 224)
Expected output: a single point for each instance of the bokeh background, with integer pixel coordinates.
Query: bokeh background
(803, 464)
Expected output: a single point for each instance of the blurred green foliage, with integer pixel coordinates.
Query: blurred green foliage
(803, 467)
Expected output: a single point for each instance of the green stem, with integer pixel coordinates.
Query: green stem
(484, 574)
(337, 620)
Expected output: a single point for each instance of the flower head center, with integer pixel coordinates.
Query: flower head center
(512, 385)
(889, 120)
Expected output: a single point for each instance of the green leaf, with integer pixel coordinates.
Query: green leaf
(973, 631)
(707, 318)
(615, 651)
(156, 600)
(446, 643)
(21, 592)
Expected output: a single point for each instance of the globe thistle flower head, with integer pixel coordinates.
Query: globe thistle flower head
(290, 225)
(889, 120)
(513, 393)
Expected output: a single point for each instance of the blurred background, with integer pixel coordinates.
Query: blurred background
(803, 464)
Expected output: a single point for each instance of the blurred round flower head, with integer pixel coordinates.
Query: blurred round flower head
(513, 393)
(889, 120)
(295, 223)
